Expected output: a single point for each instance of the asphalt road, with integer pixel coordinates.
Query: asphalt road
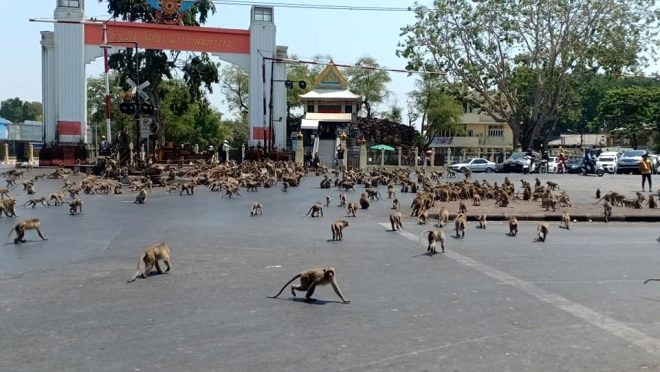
(492, 302)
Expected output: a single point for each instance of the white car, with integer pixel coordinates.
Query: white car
(475, 165)
(553, 163)
(608, 162)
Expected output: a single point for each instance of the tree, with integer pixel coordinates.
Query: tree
(234, 85)
(514, 60)
(18, 111)
(633, 111)
(369, 82)
(394, 114)
(298, 72)
(96, 107)
(156, 65)
(444, 116)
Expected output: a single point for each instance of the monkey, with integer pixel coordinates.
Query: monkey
(395, 220)
(482, 221)
(459, 224)
(327, 200)
(607, 210)
(391, 194)
(351, 209)
(423, 217)
(435, 236)
(395, 203)
(188, 187)
(652, 203)
(256, 207)
(141, 196)
(30, 189)
(342, 200)
(476, 200)
(542, 229)
(315, 210)
(8, 206)
(4, 192)
(552, 185)
(310, 279)
(364, 201)
(565, 220)
(597, 193)
(57, 198)
(23, 226)
(462, 208)
(537, 182)
(150, 257)
(337, 229)
(513, 226)
(285, 186)
(75, 206)
(34, 201)
(443, 216)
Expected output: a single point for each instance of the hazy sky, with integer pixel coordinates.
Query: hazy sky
(346, 35)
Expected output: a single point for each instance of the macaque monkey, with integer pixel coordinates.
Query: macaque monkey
(351, 209)
(21, 227)
(395, 203)
(141, 196)
(423, 217)
(315, 210)
(513, 226)
(8, 206)
(172, 188)
(476, 200)
(256, 208)
(462, 208)
(597, 193)
(30, 189)
(459, 225)
(310, 279)
(542, 230)
(482, 221)
(34, 201)
(188, 187)
(435, 236)
(285, 186)
(364, 201)
(443, 216)
(150, 257)
(342, 200)
(565, 220)
(4, 192)
(652, 203)
(607, 210)
(327, 200)
(537, 182)
(391, 194)
(552, 185)
(395, 220)
(57, 198)
(75, 206)
(337, 229)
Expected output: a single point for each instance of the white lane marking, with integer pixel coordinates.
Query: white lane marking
(604, 322)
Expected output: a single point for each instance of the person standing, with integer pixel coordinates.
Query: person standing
(645, 167)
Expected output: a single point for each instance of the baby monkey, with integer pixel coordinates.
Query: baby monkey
(150, 257)
(565, 221)
(482, 221)
(351, 209)
(337, 229)
(542, 230)
(256, 208)
(327, 200)
(395, 220)
(342, 200)
(395, 203)
(513, 226)
(309, 279)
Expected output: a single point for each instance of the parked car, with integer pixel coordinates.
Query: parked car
(553, 163)
(519, 162)
(475, 165)
(574, 165)
(608, 161)
(629, 161)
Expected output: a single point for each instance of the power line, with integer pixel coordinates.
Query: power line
(313, 6)
(364, 67)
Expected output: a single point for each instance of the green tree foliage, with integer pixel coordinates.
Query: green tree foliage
(18, 111)
(632, 112)
(199, 71)
(515, 59)
(444, 116)
(394, 114)
(96, 107)
(367, 81)
(234, 85)
(298, 72)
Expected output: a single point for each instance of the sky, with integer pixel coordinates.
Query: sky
(346, 35)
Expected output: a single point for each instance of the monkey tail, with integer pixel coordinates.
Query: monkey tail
(137, 270)
(651, 280)
(289, 282)
(10, 232)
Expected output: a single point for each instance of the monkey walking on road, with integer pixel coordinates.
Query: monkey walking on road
(337, 229)
(150, 257)
(565, 221)
(435, 236)
(310, 279)
(542, 230)
(256, 208)
(513, 226)
(315, 210)
(23, 226)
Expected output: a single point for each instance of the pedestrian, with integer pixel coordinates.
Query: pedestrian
(645, 168)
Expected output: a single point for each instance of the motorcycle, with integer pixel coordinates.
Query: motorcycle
(591, 167)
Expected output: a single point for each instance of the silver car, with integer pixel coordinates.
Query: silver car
(475, 165)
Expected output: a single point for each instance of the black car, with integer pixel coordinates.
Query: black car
(574, 165)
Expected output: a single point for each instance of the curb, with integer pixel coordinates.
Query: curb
(557, 217)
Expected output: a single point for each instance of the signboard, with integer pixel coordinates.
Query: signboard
(145, 127)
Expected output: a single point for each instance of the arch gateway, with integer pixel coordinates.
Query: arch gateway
(76, 41)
